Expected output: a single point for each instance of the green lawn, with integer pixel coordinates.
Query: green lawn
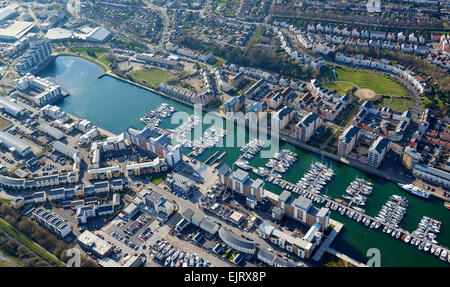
(152, 78)
(96, 53)
(341, 88)
(395, 103)
(379, 83)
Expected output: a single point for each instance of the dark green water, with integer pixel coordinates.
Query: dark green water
(115, 105)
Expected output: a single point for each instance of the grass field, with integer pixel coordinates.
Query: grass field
(30, 244)
(4, 123)
(99, 53)
(395, 103)
(341, 88)
(379, 83)
(152, 78)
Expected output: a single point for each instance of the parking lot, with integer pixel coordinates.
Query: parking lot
(132, 233)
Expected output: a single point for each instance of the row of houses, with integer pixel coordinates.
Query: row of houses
(385, 65)
(52, 222)
(185, 95)
(40, 181)
(364, 34)
(200, 55)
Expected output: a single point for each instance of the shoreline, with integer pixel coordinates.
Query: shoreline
(283, 137)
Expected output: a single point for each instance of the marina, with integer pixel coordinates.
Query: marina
(103, 105)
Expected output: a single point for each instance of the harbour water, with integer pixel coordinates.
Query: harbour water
(115, 105)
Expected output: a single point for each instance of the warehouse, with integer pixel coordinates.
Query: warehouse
(99, 34)
(51, 131)
(11, 107)
(14, 145)
(14, 30)
(65, 150)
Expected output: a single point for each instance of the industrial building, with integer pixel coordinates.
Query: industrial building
(11, 107)
(14, 30)
(94, 243)
(99, 34)
(201, 221)
(50, 131)
(14, 145)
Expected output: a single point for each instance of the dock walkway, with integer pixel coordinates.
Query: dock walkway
(372, 219)
(330, 238)
(345, 257)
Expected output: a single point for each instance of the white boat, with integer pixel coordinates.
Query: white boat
(415, 190)
(427, 247)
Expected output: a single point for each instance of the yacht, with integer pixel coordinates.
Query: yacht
(415, 190)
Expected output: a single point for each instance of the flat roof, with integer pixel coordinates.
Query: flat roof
(12, 142)
(100, 246)
(15, 29)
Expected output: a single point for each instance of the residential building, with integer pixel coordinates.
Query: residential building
(51, 221)
(377, 151)
(347, 140)
(306, 127)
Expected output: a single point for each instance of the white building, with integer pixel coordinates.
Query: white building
(49, 91)
(377, 151)
(51, 221)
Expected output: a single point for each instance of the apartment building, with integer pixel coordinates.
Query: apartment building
(347, 140)
(306, 127)
(239, 181)
(377, 151)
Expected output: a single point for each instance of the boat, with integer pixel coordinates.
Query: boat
(407, 239)
(443, 255)
(427, 247)
(432, 249)
(415, 190)
(421, 246)
(413, 241)
(397, 236)
(438, 252)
